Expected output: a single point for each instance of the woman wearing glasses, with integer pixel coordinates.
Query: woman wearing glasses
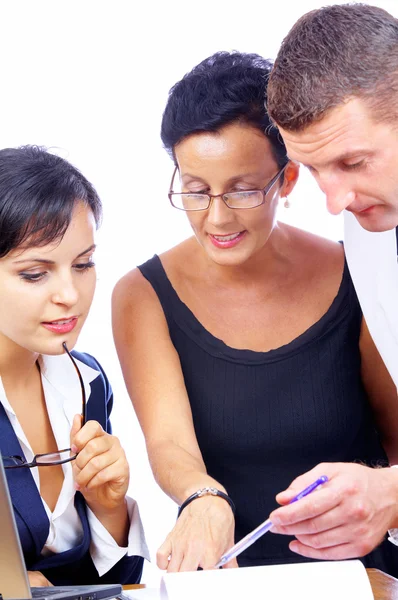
(242, 347)
(67, 475)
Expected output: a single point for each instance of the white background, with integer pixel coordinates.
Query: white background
(90, 79)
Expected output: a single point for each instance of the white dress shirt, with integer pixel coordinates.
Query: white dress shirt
(372, 260)
(63, 400)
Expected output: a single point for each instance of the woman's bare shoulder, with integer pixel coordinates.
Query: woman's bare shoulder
(133, 287)
(135, 304)
(185, 252)
(315, 245)
(130, 285)
(316, 259)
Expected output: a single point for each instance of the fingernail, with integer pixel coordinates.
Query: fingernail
(276, 521)
(74, 448)
(77, 486)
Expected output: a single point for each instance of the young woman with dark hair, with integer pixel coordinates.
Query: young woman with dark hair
(67, 474)
(243, 348)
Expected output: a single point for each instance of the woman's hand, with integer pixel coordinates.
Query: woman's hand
(203, 532)
(101, 471)
(37, 579)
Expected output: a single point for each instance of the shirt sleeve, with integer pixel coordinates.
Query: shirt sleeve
(104, 551)
(393, 536)
(393, 533)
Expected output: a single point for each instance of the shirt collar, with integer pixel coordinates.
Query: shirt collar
(59, 375)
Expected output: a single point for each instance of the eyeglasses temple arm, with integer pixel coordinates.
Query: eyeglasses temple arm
(81, 382)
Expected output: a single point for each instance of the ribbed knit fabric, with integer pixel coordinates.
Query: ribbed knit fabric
(263, 418)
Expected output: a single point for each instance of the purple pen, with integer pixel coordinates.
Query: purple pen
(253, 536)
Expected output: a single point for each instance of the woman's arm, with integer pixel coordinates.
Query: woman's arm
(155, 382)
(382, 393)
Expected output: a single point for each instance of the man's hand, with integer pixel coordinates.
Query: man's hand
(346, 518)
(37, 579)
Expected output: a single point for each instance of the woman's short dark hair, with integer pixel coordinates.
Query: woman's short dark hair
(222, 89)
(38, 192)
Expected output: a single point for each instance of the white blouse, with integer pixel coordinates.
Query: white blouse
(63, 399)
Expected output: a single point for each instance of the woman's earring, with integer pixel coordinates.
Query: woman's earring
(286, 203)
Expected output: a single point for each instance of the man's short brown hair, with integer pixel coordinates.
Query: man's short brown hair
(333, 54)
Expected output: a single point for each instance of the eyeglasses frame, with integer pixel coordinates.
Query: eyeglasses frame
(33, 463)
(264, 191)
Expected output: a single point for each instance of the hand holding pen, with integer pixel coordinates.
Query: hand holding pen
(350, 516)
(254, 535)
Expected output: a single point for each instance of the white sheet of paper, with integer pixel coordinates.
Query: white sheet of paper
(372, 260)
(142, 594)
(342, 580)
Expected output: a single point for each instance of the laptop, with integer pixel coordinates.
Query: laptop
(14, 582)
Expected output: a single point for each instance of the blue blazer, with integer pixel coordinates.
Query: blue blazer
(73, 567)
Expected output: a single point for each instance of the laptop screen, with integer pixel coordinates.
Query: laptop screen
(14, 581)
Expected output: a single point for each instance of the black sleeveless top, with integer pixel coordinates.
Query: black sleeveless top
(263, 418)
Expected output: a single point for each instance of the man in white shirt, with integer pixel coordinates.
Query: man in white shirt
(333, 93)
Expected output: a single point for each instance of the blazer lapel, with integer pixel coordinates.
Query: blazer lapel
(96, 410)
(23, 490)
(77, 552)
